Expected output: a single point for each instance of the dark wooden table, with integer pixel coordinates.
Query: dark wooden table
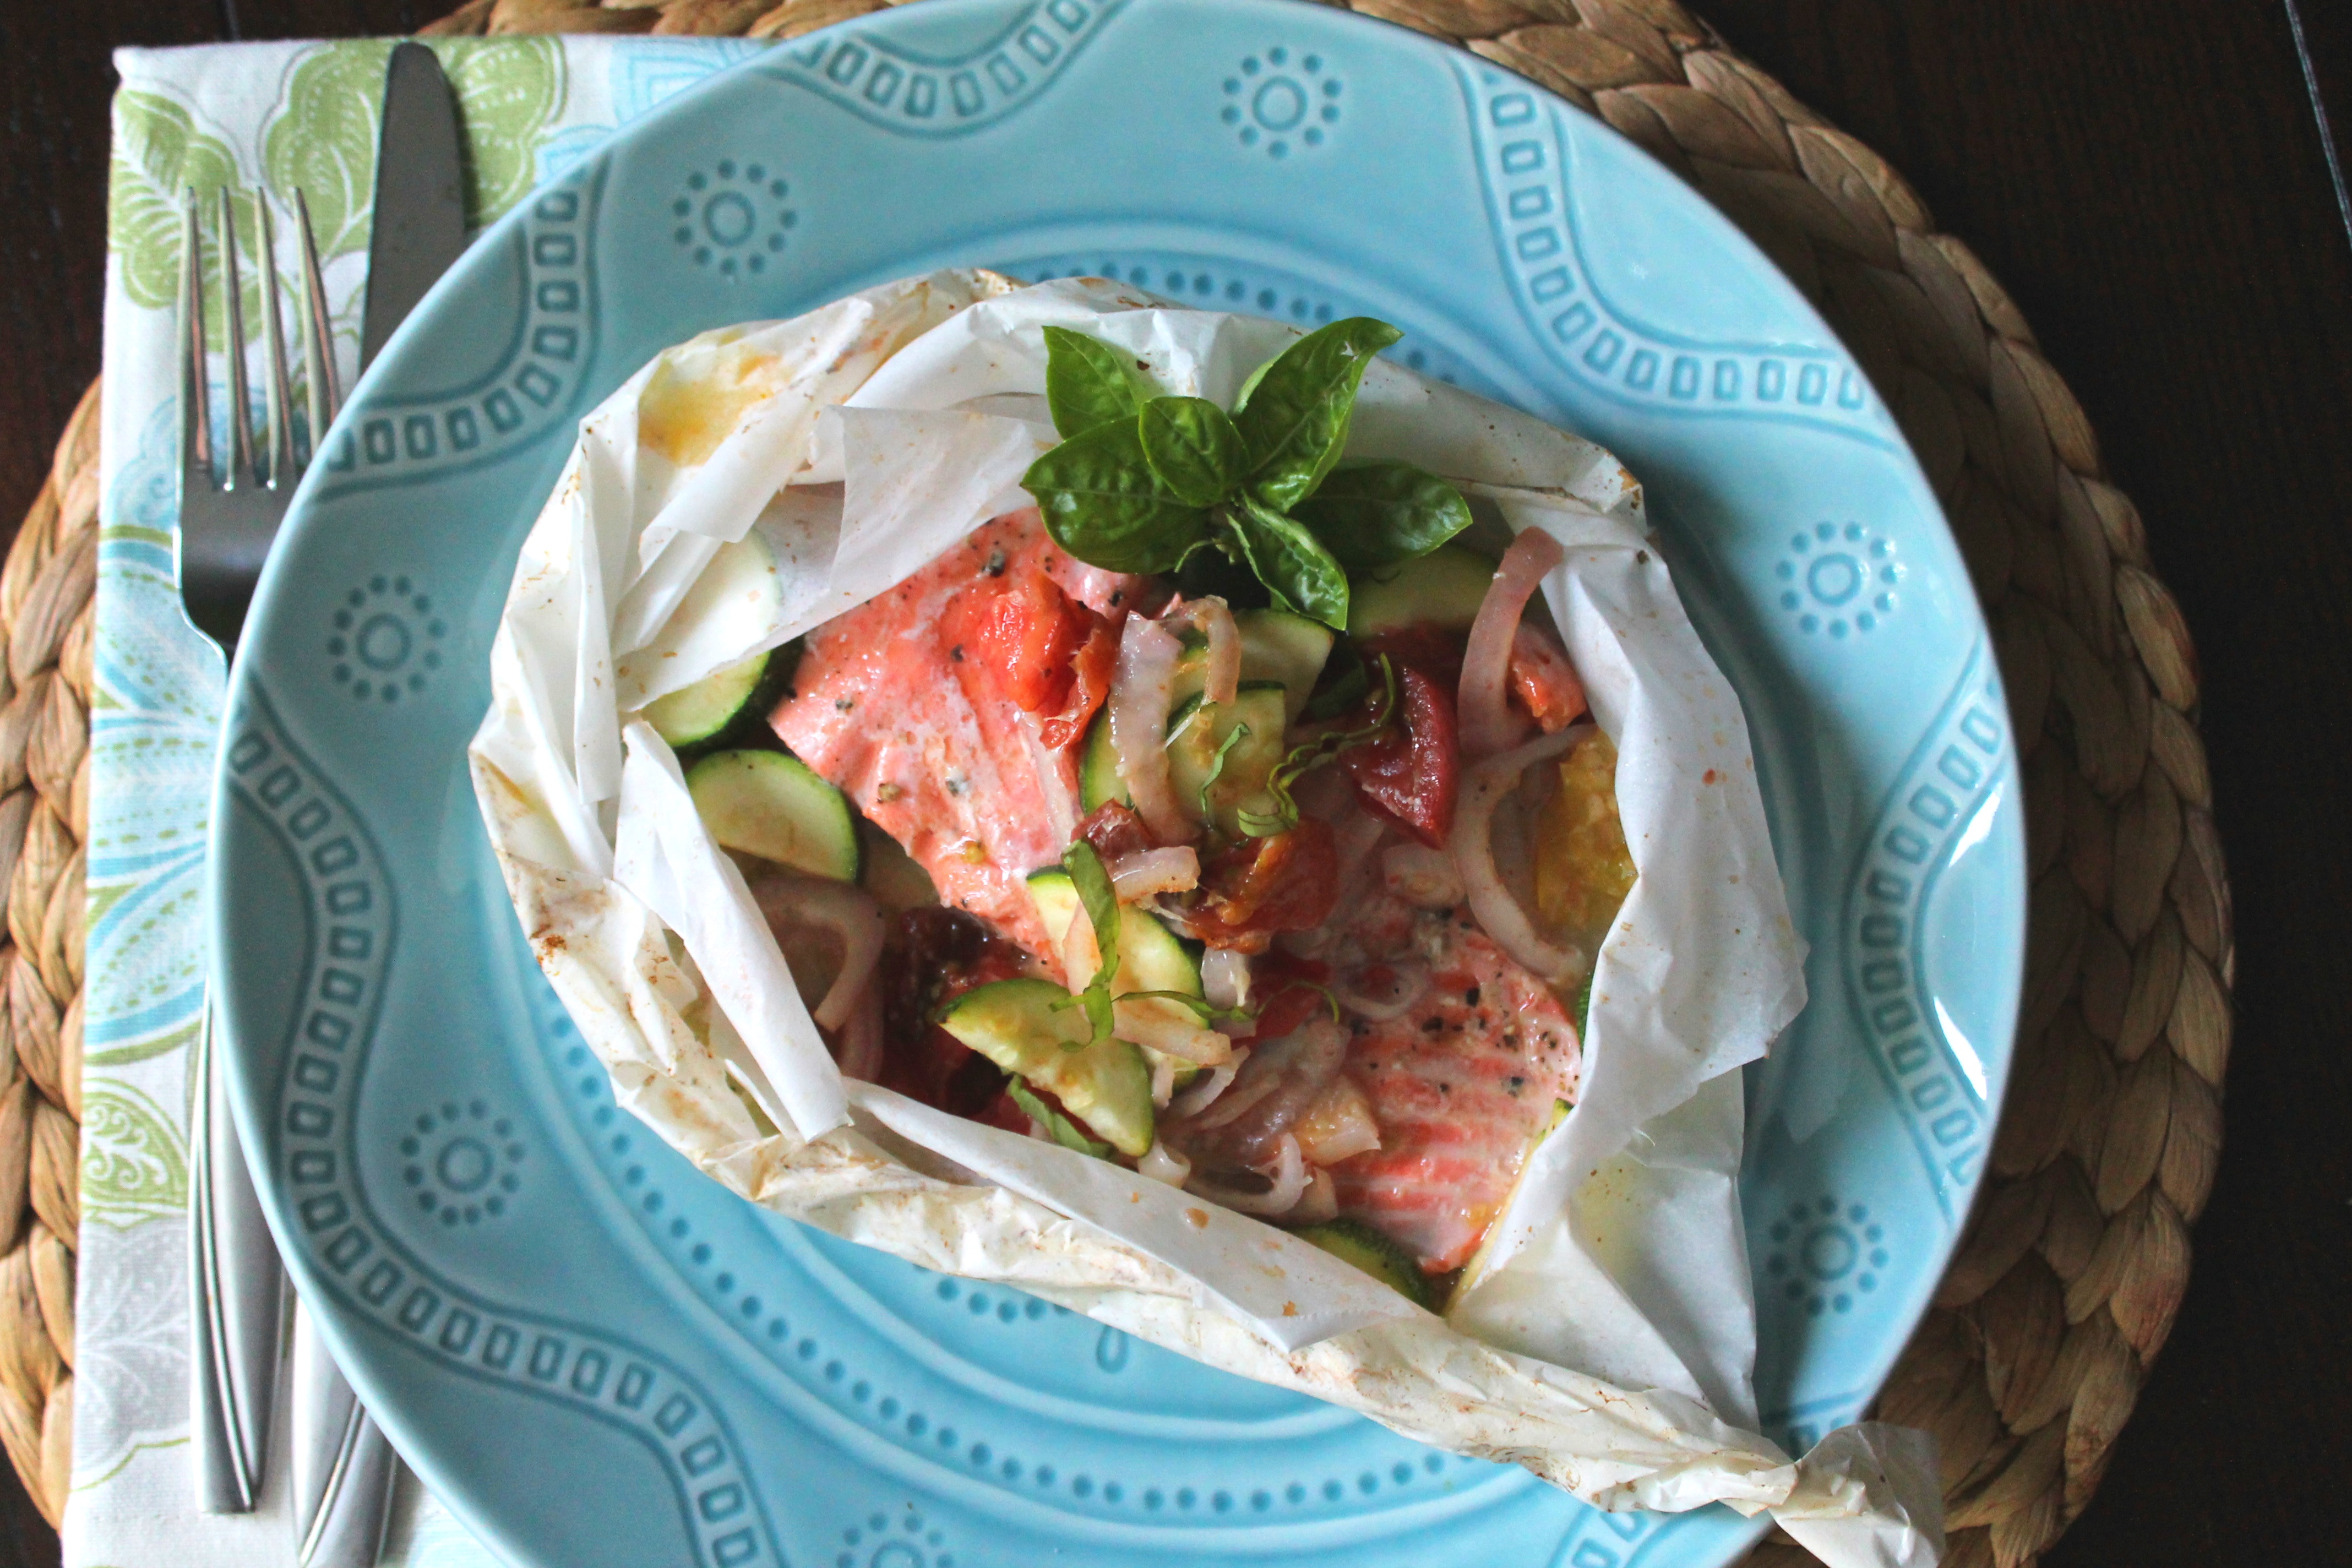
(2153, 183)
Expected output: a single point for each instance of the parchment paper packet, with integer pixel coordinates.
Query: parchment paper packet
(859, 442)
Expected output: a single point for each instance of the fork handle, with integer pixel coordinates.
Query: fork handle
(236, 1291)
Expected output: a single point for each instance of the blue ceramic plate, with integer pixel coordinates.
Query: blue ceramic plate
(596, 1355)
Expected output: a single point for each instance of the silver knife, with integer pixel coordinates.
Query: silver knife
(419, 226)
(343, 1466)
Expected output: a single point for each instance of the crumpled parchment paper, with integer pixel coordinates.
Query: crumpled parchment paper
(1604, 1337)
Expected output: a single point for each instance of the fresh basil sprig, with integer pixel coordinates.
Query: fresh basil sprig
(1062, 1130)
(1089, 383)
(1209, 1014)
(1233, 737)
(1099, 902)
(1371, 515)
(1309, 755)
(1141, 482)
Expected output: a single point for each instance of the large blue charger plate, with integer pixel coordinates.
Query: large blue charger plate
(597, 1356)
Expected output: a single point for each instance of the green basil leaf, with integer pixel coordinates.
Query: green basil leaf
(1296, 419)
(1194, 448)
(1062, 1130)
(1210, 1015)
(1233, 737)
(1291, 561)
(1089, 383)
(1100, 902)
(1309, 755)
(1104, 505)
(1380, 514)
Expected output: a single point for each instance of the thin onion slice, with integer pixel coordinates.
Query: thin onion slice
(1195, 1100)
(1289, 1179)
(1422, 876)
(1225, 978)
(1231, 1108)
(1081, 956)
(1214, 621)
(861, 1038)
(1161, 1163)
(1319, 1203)
(1170, 1030)
(1148, 653)
(1139, 876)
(1491, 899)
(1488, 725)
(1409, 982)
(845, 910)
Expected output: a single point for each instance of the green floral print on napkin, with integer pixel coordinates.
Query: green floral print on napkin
(322, 139)
(134, 1163)
(160, 153)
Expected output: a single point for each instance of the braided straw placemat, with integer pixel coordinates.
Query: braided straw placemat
(2067, 1281)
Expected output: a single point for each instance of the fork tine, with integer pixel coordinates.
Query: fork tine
(318, 335)
(240, 415)
(195, 399)
(280, 396)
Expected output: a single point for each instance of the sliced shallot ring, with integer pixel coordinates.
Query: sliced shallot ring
(847, 912)
(1422, 876)
(1212, 620)
(1225, 978)
(1319, 1205)
(1412, 984)
(1161, 1163)
(1167, 1028)
(1139, 876)
(1148, 653)
(1195, 1100)
(1488, 725)
(861, 1038)
(1498, 908)
(1289, 1179)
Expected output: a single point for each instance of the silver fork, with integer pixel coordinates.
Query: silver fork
(227, 522)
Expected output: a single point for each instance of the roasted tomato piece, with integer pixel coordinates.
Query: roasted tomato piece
(1256, 887)
(1091, 668)
(1413, 771)
(1543, 681)
(932, 956)
(1431, 650)
(1116, 831)
(1018, 637)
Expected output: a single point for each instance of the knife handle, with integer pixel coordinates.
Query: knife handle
(236, 1291)
(343, 1466)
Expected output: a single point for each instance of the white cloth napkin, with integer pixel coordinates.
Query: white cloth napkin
(274, 116)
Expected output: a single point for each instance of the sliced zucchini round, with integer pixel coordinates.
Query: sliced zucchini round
(775, 806)
(1216, 769)
(1151, 956)
(1352, 1241)
(1098, 775)
(1028, 1026)
(698, 712)
(1286, 648)
(1442, 588)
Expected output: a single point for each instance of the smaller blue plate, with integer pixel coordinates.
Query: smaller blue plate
(597, 1356)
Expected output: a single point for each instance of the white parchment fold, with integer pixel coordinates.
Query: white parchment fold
(1604, 1337)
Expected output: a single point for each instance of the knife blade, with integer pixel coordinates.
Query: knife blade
(344, 1468)
(419, 226)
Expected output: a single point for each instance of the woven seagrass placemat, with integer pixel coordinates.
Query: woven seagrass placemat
(2066, 1283)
